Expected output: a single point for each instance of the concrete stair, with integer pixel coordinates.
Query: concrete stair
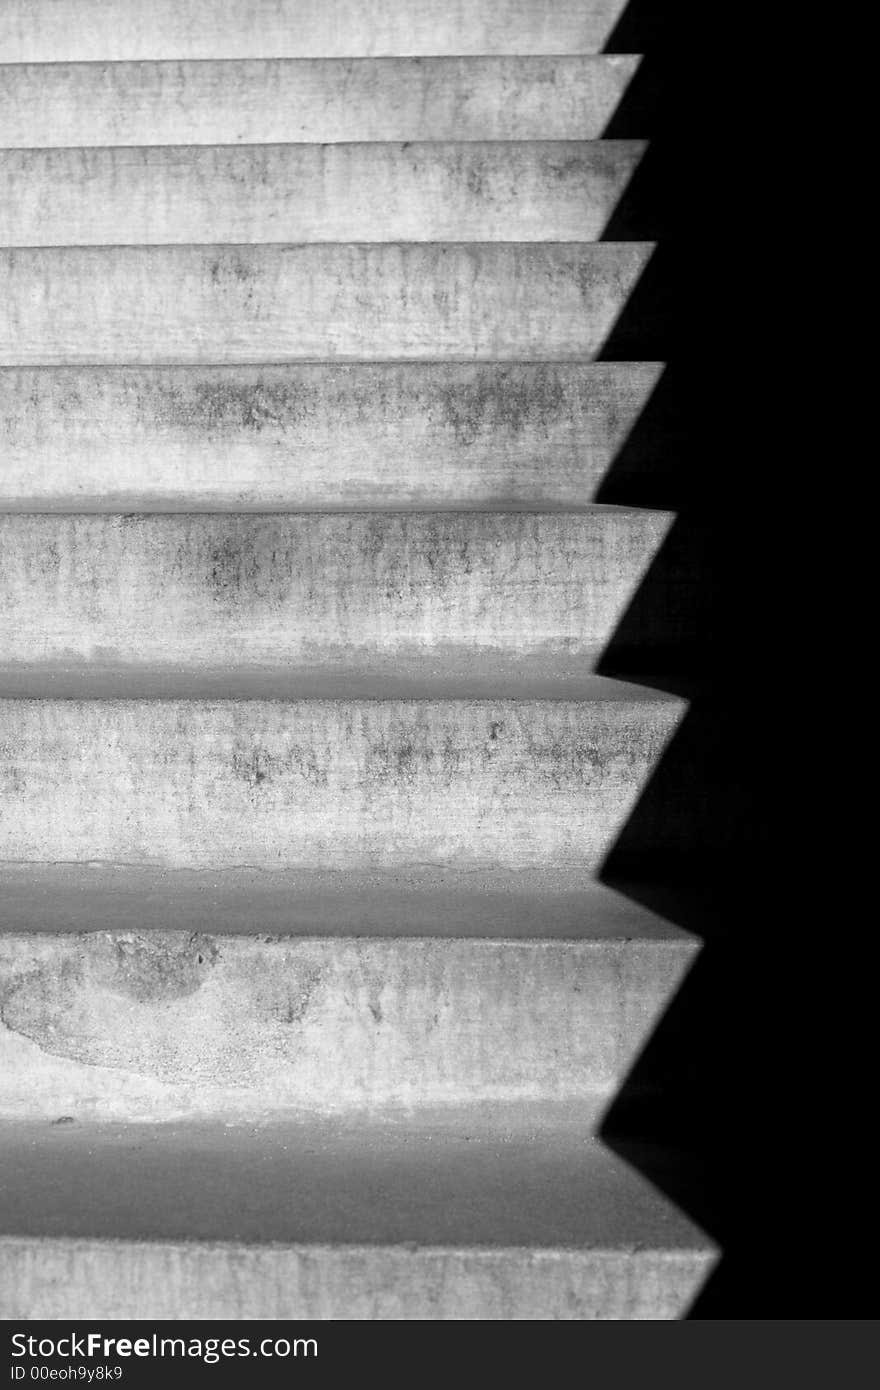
(310, 101)
(325, 783)
(316, 435)
(304, 595)
(311, 1002)
(500, 191)
(293, 303)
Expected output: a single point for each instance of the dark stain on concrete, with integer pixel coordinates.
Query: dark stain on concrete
(476, 180)
(298, 997)
(259, 767)
(304, 762)
(157, 966)
(394, 552)
(451, 756)
(502, 402)
(575, 166)
(229, 406)
(406, 754)
(253, 766)
(585, 277)
(232, 268)
(556, 757)
(13, 777)
(249, 561)
(46, 1002)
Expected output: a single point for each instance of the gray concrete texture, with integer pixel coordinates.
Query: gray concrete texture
(343, 592)
(50, 31)
(324, 784)
(317, 435)
(158, 1026)
(543, 191)
(180, 304)
(328, 1221)
(315, 101)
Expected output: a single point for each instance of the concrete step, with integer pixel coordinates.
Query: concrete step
(429, 435)
(311, 101)
(180, 304)
(324, 784)
(500, 191)
(322, 595)
(145, 1025)
(50, 31)
(329, 1221)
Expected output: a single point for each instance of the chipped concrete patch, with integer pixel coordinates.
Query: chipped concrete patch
(165, 1025)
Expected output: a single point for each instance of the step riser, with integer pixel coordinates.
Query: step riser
(314, 436)
(341, 591)
(46, 31)
(290, 193)
(323, 783)
(312, 102)
(121, 1280)
(188, 1026)
(278, 303)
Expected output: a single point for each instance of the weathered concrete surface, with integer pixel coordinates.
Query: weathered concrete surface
(488, 904)
(313, 101)
(277, 193)
(356, 591)
(324, 784)
(49, 31)
(293, 303)
(315, 435)
(176, 1025)
(329, 1221)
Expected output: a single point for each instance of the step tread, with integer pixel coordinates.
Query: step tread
(457, 674)
(505, 191)
(311, 100)
(528, 1220)
(419, 902)
(452, 1184)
